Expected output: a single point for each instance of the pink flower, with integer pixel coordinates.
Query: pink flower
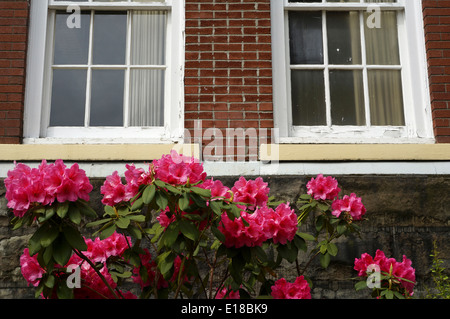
(323, 187)
(286, 290)
(252, 192)
(286, 221)
(150, 268)
(44, 185)
(400, 270)
(222, 294)
(113, 246)
(113, 191)
(178, 169)
(30, 268)
(350, 204)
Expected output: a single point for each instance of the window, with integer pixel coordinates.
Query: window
(350, 71)
(111, 70)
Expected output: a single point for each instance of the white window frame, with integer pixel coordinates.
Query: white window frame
(417, 107)
(36, 109)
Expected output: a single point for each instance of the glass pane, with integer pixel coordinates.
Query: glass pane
(382, 43)
(344, 37)
(68, 98)
(110, 37)
(308, 97)
(342, 0)
(389, 1)
(107, 98)
(148, 37)
(147, 98)
(305, 1)
(386, 97)
(305, 35)
(347, 97)
(71, 44)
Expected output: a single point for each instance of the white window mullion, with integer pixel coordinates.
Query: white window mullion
(87, 111)
(365, 72)
(126, 101)
(326, 69)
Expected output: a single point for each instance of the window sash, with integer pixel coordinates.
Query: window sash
(128, 67)
(36, 96)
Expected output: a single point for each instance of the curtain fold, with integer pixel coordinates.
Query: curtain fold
(148, 40)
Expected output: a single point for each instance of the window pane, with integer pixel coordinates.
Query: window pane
(344, 37)
(147, 98)
(342, 0)
(347, 97)
(68, 98)
(110, 37)
(148, 38)
(308, 97)
(382, 43)
(305, 35)
(386, 97)
(107, 97)
(389, 1)
(71, 44)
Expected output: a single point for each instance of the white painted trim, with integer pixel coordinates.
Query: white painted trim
(254, 169)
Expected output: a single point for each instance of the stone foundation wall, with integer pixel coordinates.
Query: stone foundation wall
(405, 215)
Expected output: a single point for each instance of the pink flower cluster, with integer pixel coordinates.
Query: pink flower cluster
(400, 270)
(326, 188)
(115, 192)
(323, 187)
(253, 192)
(92, 287)
(176, 169)
(264, 223)
(299, 289)
(350, 204)
(44, 185)
(222, 294)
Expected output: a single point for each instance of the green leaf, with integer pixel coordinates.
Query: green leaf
(74, 238)
(361, 285)
(98, 222)
(61, 250)
(74, 214)
(325, 260)
(219, 235)
(288, 252)
(108, 231)
(62, 209)
(307, 236)
(123, 222)
(171, 234)
(64, 292)
(138, 204)
(161, 200)
(49, 234)
(137, 218)
(332, 249)
(189, 230)
(165, 262)
(109, 211)
(300, 243)
(183, 202)
(85, 209)
(135, 232)
(149, 194)
(201, 191)
(216, 207)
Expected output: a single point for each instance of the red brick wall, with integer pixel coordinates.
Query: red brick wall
(13, 45)
(437, 34)
(228, 77)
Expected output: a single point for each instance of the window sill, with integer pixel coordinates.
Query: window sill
(92, 152)
(355, 152)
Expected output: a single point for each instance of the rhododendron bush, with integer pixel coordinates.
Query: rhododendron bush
(171, 231)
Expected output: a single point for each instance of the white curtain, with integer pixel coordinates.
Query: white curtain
(148, 41)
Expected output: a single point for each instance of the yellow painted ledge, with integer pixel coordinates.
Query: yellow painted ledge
(92, 152)
(355, 152)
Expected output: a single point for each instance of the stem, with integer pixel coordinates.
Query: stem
(82, 256)
(211, 274)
